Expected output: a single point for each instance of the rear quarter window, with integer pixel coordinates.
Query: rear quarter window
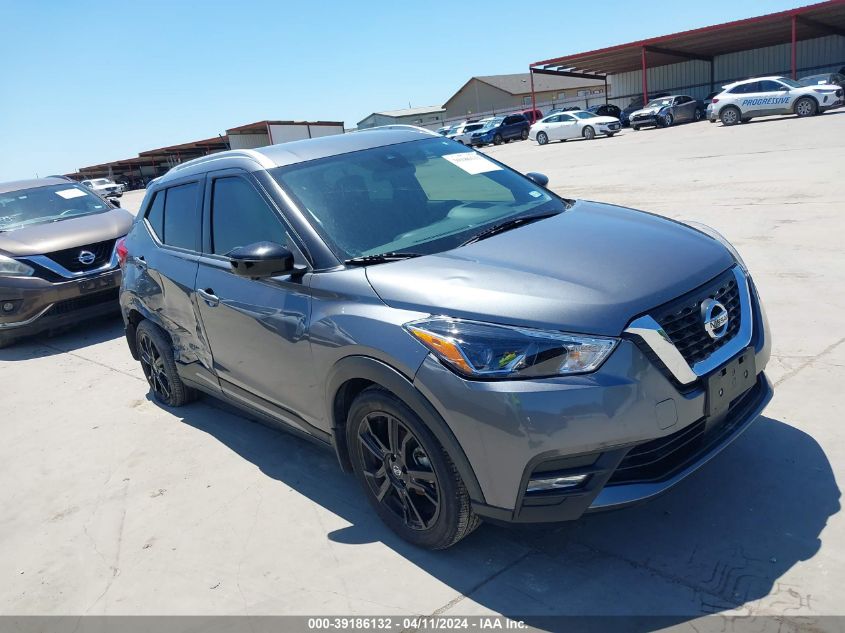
(174, 216)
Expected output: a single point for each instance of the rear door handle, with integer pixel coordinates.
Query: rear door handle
(211, 299)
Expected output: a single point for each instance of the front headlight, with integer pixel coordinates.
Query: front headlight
(711, 232)
(12, 268)
(484, 350)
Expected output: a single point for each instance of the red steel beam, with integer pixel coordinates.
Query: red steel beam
(645, 79)
(794, 46)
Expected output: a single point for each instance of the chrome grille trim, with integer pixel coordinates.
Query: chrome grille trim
(647, 329)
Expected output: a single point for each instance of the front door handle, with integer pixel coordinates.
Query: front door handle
(211, 299)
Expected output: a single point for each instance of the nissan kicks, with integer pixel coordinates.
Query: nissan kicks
(58, 263)
(467, 342)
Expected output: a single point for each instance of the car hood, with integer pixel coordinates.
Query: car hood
(649, 111)
(56, 236)
(590, 269)
(604, 119)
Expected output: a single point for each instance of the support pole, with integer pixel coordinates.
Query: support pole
(533, 96)
(794, 47)
(645, 79)
(605, 90)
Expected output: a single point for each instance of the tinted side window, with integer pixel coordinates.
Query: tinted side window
(182, 221)
(239, 217)
(155, 216)
(771, 86)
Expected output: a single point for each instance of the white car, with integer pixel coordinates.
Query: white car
(462, 132)
(574, 124)
(764, 96)
(104, 187)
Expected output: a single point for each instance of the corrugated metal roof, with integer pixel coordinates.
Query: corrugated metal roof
(767, 30)
(411, 111)
(520, 83)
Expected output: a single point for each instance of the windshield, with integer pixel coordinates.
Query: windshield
(584, 115)
(789, 82)
(424, 196)
(473, 127)
(46, 204)
(659, 103)
(814, 79)
(492, 123)
(101, 181)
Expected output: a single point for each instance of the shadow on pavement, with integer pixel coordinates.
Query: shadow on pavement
(721, 539)
(92, 332)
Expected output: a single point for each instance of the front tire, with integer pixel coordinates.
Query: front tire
(610, 134)
(589, 133)
(542, 138)
(6, 340)
(668, 120)
(497, 140)
(806, 106)
(156, 355)
(730, 115)
(636, 128)
(407, 476)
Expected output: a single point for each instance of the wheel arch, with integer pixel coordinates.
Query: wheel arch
(811, 98)
(352, 374)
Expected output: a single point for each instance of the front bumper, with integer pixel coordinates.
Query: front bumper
(41, 305)
(611, 128)
(598, 424)
(654, 120)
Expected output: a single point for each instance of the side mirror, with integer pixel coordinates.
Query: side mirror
(260, 260)
(540, 179)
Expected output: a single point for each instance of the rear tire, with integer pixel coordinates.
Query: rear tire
(730, 115)
(524, 135)
(697, 115)
(542, 138)
(806, 106)
(407, 476)
(589, 133)
(156, 354)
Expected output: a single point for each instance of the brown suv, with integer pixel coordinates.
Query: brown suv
(58, 259)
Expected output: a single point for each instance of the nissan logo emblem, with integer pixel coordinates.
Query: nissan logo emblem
(86, 258)
(715, 318)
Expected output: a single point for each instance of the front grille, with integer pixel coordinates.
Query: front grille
(659, 459)
(681, 319)
(69, 258)
(85, 301)
(614, 126)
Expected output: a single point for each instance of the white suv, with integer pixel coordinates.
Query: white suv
(765, 96)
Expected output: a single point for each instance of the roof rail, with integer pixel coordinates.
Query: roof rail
(400, 126)
(258, 157)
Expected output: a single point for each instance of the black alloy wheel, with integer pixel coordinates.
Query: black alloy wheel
(407, 475)
(155, 352)
(398, 470)
(153, 365)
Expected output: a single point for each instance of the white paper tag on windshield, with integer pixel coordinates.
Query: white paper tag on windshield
(471, 162)
(67, 194)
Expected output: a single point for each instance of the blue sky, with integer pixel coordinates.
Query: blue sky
(88, 82)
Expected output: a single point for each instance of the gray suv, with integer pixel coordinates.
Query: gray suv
(468, 343)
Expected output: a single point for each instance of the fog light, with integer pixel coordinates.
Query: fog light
(556, 483)
(8, 306)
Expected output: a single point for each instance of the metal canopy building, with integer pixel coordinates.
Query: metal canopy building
(804, 40)
(155, 162)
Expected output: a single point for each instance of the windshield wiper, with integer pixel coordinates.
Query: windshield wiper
(381, 258)
(507, 225)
